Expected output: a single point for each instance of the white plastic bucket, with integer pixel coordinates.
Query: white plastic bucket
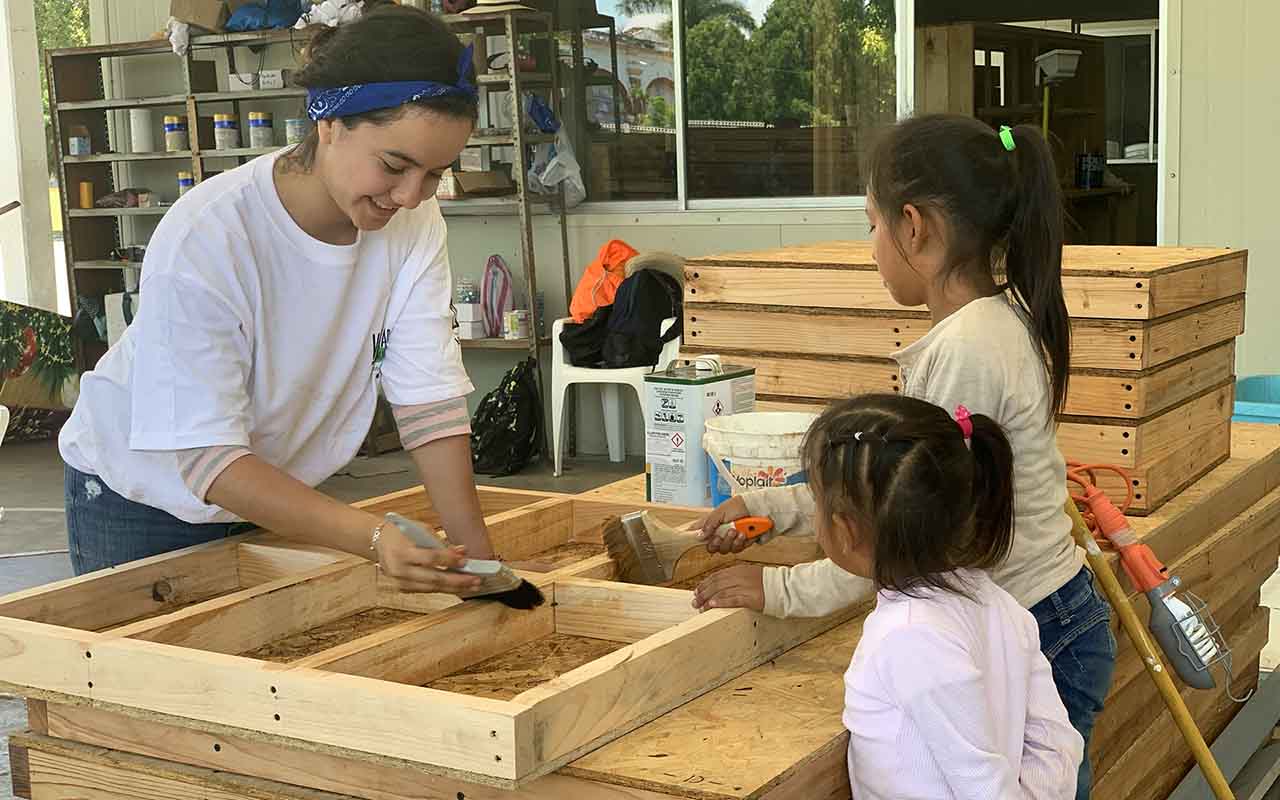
(756, 450)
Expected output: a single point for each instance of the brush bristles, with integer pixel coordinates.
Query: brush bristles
(524, 597)
(618, 546)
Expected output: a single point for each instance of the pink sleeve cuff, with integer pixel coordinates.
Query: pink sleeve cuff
(425, 423)
(200, 466)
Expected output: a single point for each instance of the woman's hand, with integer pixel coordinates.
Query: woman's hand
(421, 569)
(739, 586)
(733, 541)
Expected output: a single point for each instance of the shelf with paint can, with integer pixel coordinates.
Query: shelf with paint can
(501, 344)
(240, 152)
(107, 264)
(152, 211)
(249, 94)
(123, 103)
(499, 137)
(112, 158)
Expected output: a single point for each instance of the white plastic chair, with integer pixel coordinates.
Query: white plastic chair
(4, 422)
(565, 374)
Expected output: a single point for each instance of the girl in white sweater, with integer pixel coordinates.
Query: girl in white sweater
(951, 202)
(948, 695)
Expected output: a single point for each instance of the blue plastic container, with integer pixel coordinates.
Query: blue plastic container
(1258, 399)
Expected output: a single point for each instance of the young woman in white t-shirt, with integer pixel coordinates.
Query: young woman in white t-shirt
(276, 297)
(950, 201)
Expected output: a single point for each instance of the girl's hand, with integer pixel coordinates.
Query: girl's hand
(728, 511)
(739, 586)
(420, 569)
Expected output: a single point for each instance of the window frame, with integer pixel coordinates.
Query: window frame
(904, 48)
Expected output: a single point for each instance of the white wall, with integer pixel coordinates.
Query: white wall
(26, 234)
(1219, 154)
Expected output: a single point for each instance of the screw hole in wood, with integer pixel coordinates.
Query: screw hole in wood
(277, 716)
(217, 748)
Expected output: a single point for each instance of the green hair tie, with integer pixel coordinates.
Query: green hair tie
(1006, 136)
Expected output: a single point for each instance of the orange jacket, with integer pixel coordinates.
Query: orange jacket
(600, 282)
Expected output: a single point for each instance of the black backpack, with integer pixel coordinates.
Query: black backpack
(643, 301)
(584, 344)
(506, 432)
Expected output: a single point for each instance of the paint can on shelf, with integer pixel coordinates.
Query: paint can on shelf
(86, 194)
(142, 135)
(185, 182)
(515, 324)
(175, 134)
(78, 141)
(261, 132)
(226, 132)
(295, 130)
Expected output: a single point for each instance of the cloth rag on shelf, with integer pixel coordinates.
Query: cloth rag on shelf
(332, 13)
(179, 35)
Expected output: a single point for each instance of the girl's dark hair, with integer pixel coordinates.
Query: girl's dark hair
(898, 469)
(1000, 206)
(389, 43)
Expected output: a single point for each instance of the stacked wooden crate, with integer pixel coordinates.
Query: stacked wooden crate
(1152, 354)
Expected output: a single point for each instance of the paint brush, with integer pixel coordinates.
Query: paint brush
(647, 549)
(498, 582)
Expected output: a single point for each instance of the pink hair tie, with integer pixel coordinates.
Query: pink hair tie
(964, 421)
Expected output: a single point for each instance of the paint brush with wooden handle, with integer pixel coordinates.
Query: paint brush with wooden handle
(647, 550)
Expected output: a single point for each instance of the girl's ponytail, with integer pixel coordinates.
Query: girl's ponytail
(1033, 255)
(992, 491)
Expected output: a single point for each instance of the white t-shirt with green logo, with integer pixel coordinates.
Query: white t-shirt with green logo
(252, 333)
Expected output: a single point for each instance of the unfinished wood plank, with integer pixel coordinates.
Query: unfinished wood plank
(613, 695)
(1100, 260)
(37, 716)
(34, 654)
(1137, 444)
(1129, 396)
(416, 504)
(293, 766)
(1095, 344)
(590, 514)
(1087, 297)
(819, 378)
(138, 589)
(420, 650)
(327, 635)
(1192, 330)
(1092, 393)
(600, 567)
(609, 611)
(19, 769)
(466, 735)
(252, 617)
(521, 532)
(267, 557)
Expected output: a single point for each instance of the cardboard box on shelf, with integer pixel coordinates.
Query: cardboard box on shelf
(471, 330)
(458, 185)
(208, 14)
(274, 78)
(469, 312)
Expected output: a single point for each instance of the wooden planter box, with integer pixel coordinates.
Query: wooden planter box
(254, 637)
(1153, 355)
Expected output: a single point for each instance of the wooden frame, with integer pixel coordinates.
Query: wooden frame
(174, 642)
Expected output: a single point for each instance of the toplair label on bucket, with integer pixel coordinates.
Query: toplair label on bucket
(755, 451)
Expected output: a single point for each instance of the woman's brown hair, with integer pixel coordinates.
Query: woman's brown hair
(902, 472)
(389, 43)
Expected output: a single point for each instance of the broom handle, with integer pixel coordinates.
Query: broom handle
(1150, 656)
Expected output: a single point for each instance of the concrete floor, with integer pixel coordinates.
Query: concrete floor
(33, 532)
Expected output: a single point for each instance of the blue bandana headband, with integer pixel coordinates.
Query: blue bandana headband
(346, 101)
